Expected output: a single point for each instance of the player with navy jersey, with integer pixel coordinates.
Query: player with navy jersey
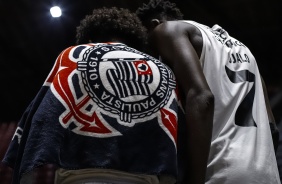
(107, 113)
(240, 148)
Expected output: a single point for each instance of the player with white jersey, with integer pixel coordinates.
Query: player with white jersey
(239, 148)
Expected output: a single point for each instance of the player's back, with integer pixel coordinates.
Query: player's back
(107, 108)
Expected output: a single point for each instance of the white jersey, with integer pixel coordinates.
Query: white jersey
(241, 150)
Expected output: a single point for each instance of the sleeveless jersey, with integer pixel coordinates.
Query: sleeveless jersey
(104, 106)
(241, 150)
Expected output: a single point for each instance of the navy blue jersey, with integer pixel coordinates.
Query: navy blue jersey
(102, 106)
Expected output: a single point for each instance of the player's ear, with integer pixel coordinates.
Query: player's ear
(155, 22)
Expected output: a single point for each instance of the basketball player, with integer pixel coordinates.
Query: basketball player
(107, 113)
(241, 148)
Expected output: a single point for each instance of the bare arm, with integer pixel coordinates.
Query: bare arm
(173, 45)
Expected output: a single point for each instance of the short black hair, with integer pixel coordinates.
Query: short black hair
(160, 9)
(110, 24)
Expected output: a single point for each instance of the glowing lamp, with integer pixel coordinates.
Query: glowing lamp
(56, 11)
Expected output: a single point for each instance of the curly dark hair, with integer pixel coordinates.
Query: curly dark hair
(160, 9)
(112, 24)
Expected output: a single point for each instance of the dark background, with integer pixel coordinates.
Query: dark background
(31, 40)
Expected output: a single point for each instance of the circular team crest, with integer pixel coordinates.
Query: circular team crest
(125, 82)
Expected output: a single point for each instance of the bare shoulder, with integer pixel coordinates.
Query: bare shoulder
(168, 32)
(176, 32)
(171, 30)
(173, 27)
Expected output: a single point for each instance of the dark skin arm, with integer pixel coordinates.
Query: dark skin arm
(171, 40)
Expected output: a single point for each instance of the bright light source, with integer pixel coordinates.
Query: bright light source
(56, 11)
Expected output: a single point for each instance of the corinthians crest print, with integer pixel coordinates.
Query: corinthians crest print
(117, 82)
